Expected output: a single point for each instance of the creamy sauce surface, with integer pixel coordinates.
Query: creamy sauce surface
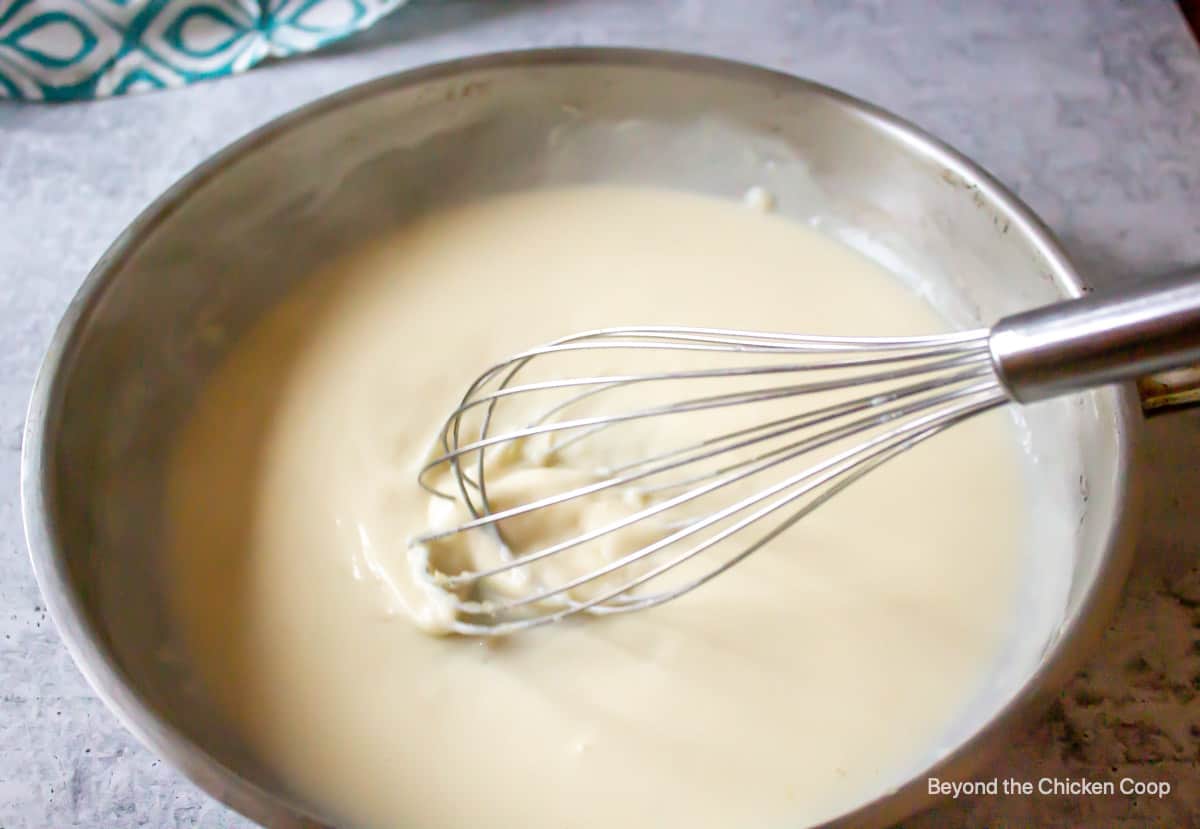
(793, 687)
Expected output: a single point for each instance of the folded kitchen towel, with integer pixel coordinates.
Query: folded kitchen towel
(60, 50)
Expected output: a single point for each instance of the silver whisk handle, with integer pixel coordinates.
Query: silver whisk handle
(1099, 339)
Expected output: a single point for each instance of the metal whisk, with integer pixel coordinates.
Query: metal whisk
(833, 409)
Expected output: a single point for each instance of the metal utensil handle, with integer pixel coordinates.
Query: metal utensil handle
(1100, 339)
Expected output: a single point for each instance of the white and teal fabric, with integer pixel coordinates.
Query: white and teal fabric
(56, 50)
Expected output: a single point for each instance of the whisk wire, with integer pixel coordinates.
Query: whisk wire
(912, 389)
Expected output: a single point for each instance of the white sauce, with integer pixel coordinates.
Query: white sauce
(794, 687)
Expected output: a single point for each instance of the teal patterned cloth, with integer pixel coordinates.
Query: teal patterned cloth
(60, 50)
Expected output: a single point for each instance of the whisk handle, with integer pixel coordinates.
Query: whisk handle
(1099, 339)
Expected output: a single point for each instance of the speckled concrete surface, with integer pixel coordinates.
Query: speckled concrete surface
(1090, 109)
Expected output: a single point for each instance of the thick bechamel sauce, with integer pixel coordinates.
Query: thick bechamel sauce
(797, 685)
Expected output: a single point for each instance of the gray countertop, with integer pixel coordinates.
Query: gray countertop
(1089, 109)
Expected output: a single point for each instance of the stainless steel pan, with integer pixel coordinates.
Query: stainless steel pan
(164, 304)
